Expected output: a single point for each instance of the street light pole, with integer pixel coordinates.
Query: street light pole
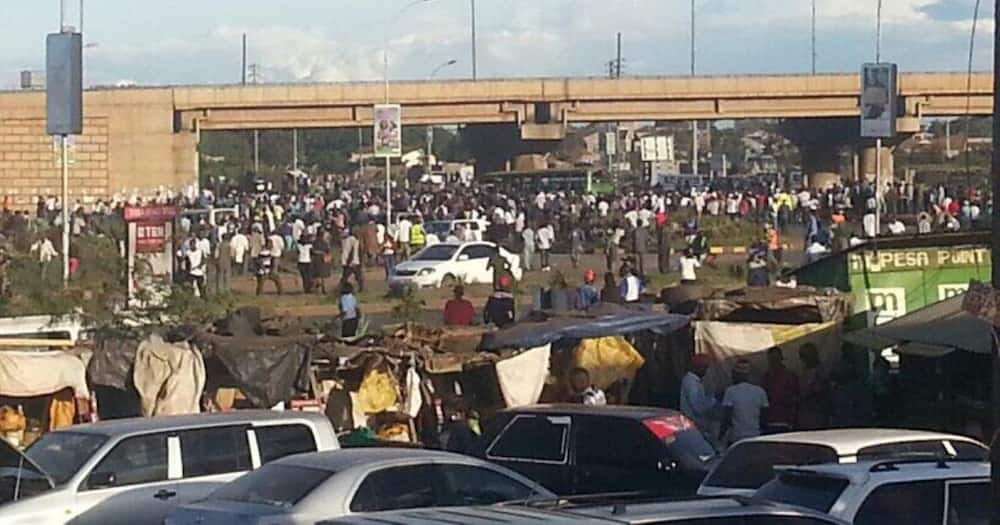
(694, 122)
(472, 9)
(813, 37)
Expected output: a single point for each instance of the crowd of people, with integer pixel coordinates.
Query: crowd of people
(319, 229)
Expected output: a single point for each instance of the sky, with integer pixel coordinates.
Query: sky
(198, 41)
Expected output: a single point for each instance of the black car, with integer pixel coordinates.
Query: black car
(577, 449)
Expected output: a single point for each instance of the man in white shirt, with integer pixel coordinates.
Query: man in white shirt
(868, 223)
(196, 267)
(688, 264)
(46, 252)
(403, 237)
(546, 234)
(896, 227)
(238, 247)
(744, 406)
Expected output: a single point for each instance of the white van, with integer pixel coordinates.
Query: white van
(137, 470)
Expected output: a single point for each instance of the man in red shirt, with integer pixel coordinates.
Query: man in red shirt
(459, 311)
(782, 389)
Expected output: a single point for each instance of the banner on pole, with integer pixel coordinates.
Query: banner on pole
(388, 130)
(878, 100)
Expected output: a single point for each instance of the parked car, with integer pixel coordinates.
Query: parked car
(702, 511)
(911, 491)
(473, 229)
(135, 471)
(577, 449)
(448, 263)
(750, 463)
(309, 487)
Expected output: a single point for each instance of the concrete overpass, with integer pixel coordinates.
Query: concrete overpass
(138, 139)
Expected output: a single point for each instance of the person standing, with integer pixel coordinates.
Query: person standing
(782, 387)
(528, 249)
(223, 258)
(389, 255)
(305, 262)
(640, 240)
(610, 293)
(350, 260)
(264, 269)
(744, 406)
(418, 237)
(695, 403)
(577, 239)
(458, 311)
(663, 248)
(350, 311)
(814, 391)
(499, 309)
(689, 263)
(322, 260)
(631, 285)
(545, 237)
(45, 252)
(499, 265)
(610, 249)
(239, 246)
(196, 267)
(403, 236)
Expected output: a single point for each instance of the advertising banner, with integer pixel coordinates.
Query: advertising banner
(878, 100)
(388, 130)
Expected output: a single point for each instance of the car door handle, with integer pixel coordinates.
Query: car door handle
(164, 494)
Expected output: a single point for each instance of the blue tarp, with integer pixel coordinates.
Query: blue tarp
(602, 322)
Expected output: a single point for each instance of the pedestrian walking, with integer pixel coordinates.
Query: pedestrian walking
(350, 260)
(223, 259)
(528, 248)
(305, 262)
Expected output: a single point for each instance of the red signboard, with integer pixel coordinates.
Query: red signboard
(150, 213)
(149, 237)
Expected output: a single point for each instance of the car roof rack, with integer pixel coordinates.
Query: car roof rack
(889, 465)
(619, 501)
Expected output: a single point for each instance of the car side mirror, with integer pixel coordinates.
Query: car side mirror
(101, 480)
(463, 257)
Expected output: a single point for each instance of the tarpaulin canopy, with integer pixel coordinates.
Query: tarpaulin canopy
(933, 331)
(266, 369)
(604, 321)
(776, 305)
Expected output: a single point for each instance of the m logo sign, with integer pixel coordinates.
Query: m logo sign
(947, 291)
(883, 304)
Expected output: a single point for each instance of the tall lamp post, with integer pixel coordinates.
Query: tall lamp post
(694, 122)
(385, 79)
(430, 127)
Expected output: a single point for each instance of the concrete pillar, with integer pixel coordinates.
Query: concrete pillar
(868, 164)
(819, 141)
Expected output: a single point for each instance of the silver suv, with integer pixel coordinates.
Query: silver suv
(913, 491)
(136, 470)
(597, 510)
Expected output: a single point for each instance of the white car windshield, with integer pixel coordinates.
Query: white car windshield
(438, 252)
(61, 454)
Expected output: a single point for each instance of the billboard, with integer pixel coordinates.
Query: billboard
(878, 100)
(388, 130)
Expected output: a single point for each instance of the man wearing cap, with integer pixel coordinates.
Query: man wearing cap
(744, 406)
(587, 294)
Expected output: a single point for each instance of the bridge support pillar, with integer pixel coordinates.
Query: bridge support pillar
(820, 142)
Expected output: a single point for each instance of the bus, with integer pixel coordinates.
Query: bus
(571, 180)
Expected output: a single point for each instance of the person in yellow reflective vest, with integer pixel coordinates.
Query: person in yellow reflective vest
(417, 237)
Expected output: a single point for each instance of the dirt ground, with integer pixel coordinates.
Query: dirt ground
(374, 300)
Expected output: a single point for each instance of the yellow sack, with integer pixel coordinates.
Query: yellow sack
(378, 392)
(608, 360)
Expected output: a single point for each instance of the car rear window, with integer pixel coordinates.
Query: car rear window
(934, 448)
(815, 492)
(274, 485)
(750, 465)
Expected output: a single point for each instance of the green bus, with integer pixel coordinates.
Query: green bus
(571, 180)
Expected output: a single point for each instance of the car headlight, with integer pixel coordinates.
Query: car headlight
(426, 271)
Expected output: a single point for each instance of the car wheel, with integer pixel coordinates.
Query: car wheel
(448, 281)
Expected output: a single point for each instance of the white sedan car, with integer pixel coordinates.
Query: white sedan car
(449, 263)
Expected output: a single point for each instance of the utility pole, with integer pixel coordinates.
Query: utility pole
(295, 149)
(995, 267)
(244, 74)
(878, 141)
(694, 123)
(618, 61)
(813, 38)
(472, 9)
